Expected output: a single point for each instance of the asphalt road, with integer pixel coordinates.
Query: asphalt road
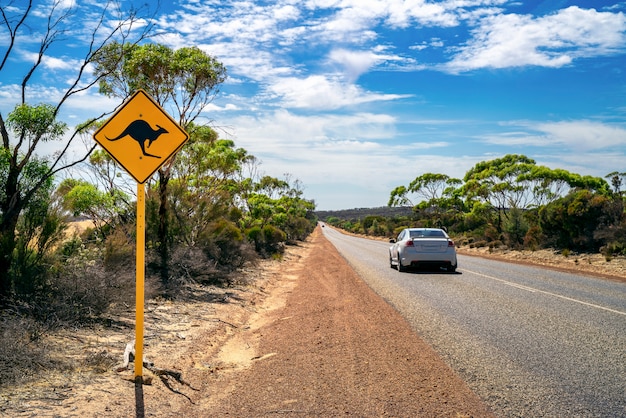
(530, 342)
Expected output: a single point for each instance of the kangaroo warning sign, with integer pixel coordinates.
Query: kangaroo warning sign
(141, 136)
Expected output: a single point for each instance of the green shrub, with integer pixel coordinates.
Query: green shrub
(255, 235)
(516, 228)
(223, 243)
(274, 239)
(533, 238)
(268, 240)
(495, 244)
(613, 248)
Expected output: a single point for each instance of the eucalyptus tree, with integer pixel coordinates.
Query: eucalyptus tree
(398, 197)
(278, 204)
(36, 29)
(433, 194)
(496, 183)
(544, 185)
(617, 180)
(103, 208)
(182, 81)
(205, 183)
(432, 187)
(297, 220)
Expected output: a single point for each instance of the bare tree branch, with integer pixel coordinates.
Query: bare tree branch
(52, 34)
(13, 31)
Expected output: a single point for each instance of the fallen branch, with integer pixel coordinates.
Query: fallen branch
(164, 374)
(225, 322)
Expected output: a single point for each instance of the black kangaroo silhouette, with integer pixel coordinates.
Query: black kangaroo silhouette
(141, 131)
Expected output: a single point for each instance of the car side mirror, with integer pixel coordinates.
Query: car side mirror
(392, 240)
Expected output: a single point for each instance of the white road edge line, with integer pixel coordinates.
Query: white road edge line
(532, 289)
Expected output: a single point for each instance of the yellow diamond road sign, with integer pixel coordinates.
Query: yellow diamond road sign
(141, 136)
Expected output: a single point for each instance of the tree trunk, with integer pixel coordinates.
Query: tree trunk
(163, 232)
(7, 245)
(10, 209)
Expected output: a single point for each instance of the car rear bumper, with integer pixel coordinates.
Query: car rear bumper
(435, 260)
(430, 263)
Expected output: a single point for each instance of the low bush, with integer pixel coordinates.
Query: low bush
(268, 240)
(21, 357)
(224, 245)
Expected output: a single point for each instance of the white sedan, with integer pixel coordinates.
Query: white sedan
(417, 247)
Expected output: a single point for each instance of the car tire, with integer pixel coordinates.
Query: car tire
(401, 268)
(451, 268)
(391, 262)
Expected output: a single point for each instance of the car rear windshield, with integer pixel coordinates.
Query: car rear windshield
(428, 234)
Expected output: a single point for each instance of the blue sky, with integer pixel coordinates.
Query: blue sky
(356, 97)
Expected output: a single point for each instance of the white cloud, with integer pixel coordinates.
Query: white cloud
(324, 151)
(568, 136)
(584, 163)
(88, 104)
(290, 129)
(402, 12)
(286, 12)
(10, 93)
(510, 40)
(352, 153)
(584, 135)
(354, 15)
(517, 138)
(245, 26)
(427, 145)
(356, 63)
(63, 63)
(255, 40)
(215, 108)
(322, 92)
(433, 43)
(238, 22)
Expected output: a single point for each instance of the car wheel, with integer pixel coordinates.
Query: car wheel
(391, 262)
(451, 268)
(401, 268)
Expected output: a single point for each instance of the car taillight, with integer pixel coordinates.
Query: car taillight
(409, 243)
(450, 243)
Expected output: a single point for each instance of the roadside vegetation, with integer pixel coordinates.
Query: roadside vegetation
(209, 209)
(509, 202)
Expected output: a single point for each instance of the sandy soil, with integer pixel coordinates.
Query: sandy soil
(306, 338)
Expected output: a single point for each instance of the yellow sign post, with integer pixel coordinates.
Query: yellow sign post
(139, 277)
(141, 137)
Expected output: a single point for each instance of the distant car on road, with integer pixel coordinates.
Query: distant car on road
(421, 247)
